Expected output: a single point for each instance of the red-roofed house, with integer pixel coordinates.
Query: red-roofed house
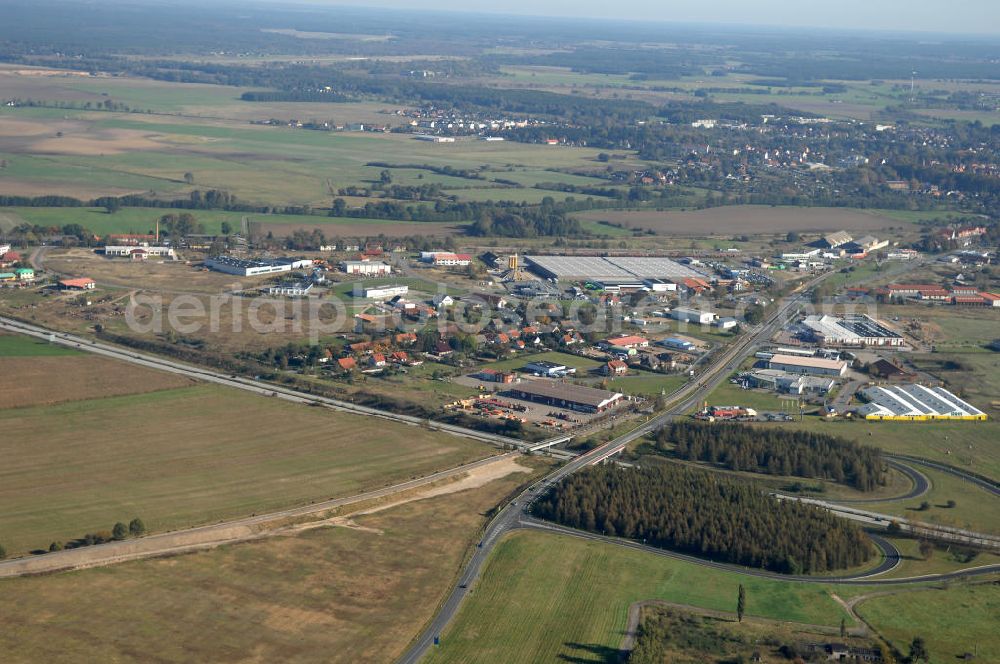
(377, 360)
(347, 363)
(83, 283)
(626, 341)
(614, 368)
(9, 258)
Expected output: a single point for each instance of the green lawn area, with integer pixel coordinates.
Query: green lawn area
(547, 598)
(975, 508)
(728, 394)
(190, 456)
(22, 346)
(647, 384)
(952, 621)
(974, 446)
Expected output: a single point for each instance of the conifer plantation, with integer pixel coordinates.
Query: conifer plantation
(774, 451)
(700, 513)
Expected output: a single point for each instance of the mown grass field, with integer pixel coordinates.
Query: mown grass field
(189, 456)
(952, 621)
(565, 598)
(16, 345)
(975, 508)
(334, 594)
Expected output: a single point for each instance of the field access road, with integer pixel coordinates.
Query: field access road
(258, 387)
(211, 536)
(682, 400)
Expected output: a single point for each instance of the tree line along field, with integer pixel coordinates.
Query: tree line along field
(187, 456)
(349, 593)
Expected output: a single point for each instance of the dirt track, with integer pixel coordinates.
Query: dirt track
(257, 527)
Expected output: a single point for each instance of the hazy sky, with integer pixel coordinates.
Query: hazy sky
(973, 16)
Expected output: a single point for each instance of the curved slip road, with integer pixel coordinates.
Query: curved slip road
(919, 484)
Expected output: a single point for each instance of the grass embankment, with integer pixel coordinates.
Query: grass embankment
(568, 598)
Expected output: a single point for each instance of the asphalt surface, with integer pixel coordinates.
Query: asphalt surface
(920, 484)
(981, 482)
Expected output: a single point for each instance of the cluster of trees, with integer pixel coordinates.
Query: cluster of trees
(700, 513)
(120, 531)
(774, 452)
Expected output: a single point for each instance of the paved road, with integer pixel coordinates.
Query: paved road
(682, 400)
(890, 556)
(982, 482)
(919, 484)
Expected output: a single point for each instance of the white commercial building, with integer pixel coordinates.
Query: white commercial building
(291, 289)
(245, 268)
(851, 330)
(693, 316)
(4, 248)
(133, 251)
(816, 366)
(385, 292)
(366, 268)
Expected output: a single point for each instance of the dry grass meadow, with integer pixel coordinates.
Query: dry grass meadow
(190, 456)
(355, 593)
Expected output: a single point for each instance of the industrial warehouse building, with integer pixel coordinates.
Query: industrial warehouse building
(566, 395)
(246, 268)
(384, 292)
(816, 366)
(693, 316)
(851, 330)
(609, 268)
(366, 268)
(915, 402)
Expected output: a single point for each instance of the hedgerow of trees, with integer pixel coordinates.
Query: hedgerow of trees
(699, 513)
(774, 452)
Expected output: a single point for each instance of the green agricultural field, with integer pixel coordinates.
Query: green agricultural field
(196, 455)
(566, 598)
(953, 621)
(20, 346)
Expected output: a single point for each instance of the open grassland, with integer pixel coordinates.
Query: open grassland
(46, 380)
(747, 219)
(973, 446)
(945, 558)
(565, 598)
(953, 621)
(975, 508)
(340, 594)
(274, 165)
(15, 345)
(728, 394)
(195, 455)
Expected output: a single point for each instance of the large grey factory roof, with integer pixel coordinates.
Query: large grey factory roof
(610, 267)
